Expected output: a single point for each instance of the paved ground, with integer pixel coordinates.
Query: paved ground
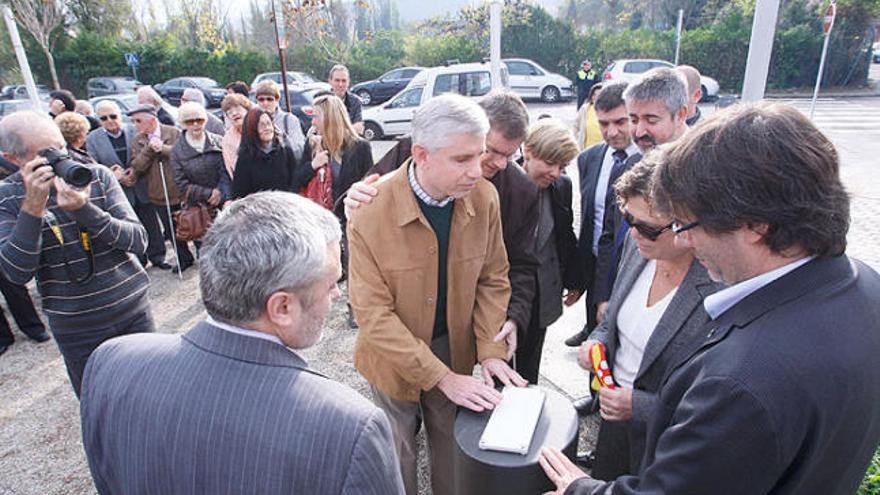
(40, 450)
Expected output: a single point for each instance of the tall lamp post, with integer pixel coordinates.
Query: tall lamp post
(281, 43)
(495, 41)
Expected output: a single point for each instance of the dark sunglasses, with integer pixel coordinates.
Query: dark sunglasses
(193, 121)
(112, 116)
(646, 231)
(678, 228)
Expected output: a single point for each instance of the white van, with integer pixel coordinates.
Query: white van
(394, 118)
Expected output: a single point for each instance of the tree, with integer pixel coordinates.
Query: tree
(101, 16)
(41, 18)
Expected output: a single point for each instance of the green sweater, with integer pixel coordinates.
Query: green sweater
(440, 219)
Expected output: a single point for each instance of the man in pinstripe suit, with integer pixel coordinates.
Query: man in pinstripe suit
(229, 407)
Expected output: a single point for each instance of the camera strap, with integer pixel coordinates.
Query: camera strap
(86, 243)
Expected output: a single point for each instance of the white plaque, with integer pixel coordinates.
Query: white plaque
(513, 421)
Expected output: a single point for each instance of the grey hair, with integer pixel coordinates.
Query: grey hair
(15, 126)
(194, 95)
(507, 114)
(444, 116)
(335, 68)
(661, 84)
(108, 105)
(259, 245)
(152, 95)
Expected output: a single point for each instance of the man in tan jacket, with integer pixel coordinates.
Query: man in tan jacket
(429, 288)
(151, 162)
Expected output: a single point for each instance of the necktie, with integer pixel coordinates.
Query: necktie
(616, 171)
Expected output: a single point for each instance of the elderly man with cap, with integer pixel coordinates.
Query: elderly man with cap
(151, 161)
(586, 78)
(111, 146)
(75, 241)
(213, 125)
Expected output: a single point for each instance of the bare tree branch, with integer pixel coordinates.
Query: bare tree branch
(40, 18)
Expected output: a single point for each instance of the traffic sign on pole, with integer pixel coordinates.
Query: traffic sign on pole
(827, 24)
(131, 59)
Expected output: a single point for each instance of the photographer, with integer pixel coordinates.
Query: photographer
(74, 240)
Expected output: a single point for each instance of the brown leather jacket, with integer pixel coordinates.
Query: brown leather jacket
(393, 281)
(146, 163)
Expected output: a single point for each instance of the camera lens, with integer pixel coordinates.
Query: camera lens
(71, 172)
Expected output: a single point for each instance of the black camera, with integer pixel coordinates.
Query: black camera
(73, 173)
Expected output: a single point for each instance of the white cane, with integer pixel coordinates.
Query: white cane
(170, 219)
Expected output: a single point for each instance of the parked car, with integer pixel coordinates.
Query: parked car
(629, 69)
(395, 117)
(19, 92)
(98, 86)
(389, 84)
(530, 80)
(10, 106)
(300, 104)
(876, 54)
(172, 89)
(295, 80)
(127, 102)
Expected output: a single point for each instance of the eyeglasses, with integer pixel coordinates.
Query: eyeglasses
(678, 228)
(647, 231)
(265, 98)
(112, 116)
(193, 121)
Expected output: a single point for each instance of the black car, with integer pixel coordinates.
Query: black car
(382, 89)
(172, 89)
(300, 104)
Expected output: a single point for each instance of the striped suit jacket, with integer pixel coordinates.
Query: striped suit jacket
(216, 412)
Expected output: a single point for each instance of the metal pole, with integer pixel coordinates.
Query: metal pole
(760, 47)
(170, 220)
(134, 71)
(280, 55)
(678, 34)
(819, 76)
(22, 57)
(495, 42)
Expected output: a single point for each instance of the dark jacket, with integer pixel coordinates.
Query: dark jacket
(565, 268)
(201, 173)
(680, 327)
(164, 117)
(589, 167)
(781, 396)
(276, 170)
(395, 157)
(357, 160)
(519, 219)
(612, 240)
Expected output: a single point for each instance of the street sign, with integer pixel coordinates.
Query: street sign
(828, 21)
(131, 59)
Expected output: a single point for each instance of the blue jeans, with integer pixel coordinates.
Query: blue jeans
(77, 348)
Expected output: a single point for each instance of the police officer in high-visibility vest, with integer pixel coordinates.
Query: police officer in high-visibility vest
(586, 78)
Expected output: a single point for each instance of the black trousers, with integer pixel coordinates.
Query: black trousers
(146, 213)
(529, 348)
(186, 256)
(77, 347)
(22, 308)
(612, 450)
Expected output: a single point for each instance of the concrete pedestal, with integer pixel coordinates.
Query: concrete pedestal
(484, 472)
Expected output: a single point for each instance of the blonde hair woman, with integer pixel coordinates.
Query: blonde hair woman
(549, 148)
(337, 149)
(586, 124)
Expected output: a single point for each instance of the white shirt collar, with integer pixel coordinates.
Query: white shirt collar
(719, 302)
(244, 331)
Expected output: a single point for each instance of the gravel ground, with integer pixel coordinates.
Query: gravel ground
(40, 439)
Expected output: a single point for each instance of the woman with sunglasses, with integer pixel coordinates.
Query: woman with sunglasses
(265, 161)
(197, 163)
(654, 314)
